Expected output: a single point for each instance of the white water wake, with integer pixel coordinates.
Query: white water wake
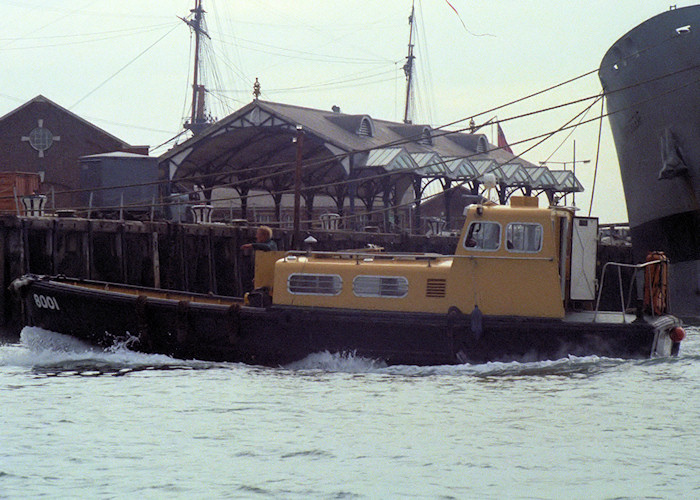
(350, 363)
(46, 350)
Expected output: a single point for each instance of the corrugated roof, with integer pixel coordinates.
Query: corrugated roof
(566, 182)
(431, 164)
(391, 159)
(541, 177)
(514, 175)
(460, 169)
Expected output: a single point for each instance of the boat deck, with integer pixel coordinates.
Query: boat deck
(609, 317)
(157, 294)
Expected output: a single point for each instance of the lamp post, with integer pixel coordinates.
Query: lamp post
(299, 140)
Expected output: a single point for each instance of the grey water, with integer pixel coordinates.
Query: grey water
(76, 422)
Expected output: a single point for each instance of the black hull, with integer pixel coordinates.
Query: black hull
(651, 77)
(281, 335)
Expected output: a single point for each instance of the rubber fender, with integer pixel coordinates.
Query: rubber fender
(476, 319)
(233, 323)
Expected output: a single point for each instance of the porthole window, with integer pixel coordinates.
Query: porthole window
(314, 284)
(483, 236)
(40, 139)
(524, 237)
(380, 286)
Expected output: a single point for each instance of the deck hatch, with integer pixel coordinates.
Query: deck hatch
(380, 286)
(314, 284)
(435, 288)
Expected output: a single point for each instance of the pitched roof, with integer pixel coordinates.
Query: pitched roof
(41, 99)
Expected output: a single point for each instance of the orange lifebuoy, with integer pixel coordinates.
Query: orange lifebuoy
(656, 284)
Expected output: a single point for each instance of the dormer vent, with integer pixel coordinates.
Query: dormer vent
(426, 137)
(366, 128)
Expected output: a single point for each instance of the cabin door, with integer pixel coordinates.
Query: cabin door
(584, 250)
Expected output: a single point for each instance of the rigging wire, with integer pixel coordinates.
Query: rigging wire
(281, 192)
(425, 75)
(663, 76)
(98, 35)
(308, 165)
(565, 139)
(302, 54)
(123, 68)
(597, 154)
(542, 137)
(289, 164)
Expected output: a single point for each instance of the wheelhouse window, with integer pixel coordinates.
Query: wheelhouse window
(524, 237)
(380, 286)
(483, 236)
(314, 284)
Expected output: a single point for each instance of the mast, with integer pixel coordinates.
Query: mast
(198, 120)
(408, 67)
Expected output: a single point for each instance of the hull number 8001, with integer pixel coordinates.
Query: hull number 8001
(44, 302)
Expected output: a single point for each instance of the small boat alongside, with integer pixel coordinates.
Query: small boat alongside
(519, 287)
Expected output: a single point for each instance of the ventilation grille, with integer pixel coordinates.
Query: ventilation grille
(436, 288)
(365, 128)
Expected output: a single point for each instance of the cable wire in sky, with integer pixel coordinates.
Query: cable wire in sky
(122, 68)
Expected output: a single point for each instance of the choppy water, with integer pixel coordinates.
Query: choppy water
(76, 422)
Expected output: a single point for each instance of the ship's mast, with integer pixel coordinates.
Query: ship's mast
(408, 67)
(198, 120)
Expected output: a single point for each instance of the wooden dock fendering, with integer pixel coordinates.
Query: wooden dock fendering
(202, 258)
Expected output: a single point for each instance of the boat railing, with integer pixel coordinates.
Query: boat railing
(620, 266)
(367, 254)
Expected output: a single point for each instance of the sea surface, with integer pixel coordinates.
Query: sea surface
(82, 423)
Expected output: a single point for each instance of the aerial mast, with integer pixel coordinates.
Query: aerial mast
(408, 67)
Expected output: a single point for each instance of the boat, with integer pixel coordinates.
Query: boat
(519, 287)
(651, 80)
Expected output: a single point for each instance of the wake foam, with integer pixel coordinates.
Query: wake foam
(337, 362)
(53, 353)
(350, 363)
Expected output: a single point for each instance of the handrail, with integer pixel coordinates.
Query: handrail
(367, 253)
(411, 255)
(619, 266)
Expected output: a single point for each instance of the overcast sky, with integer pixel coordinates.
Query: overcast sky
(126, 66)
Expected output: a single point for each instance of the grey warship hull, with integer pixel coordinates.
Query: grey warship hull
(651, 78)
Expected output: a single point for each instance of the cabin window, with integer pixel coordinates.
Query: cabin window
(380, 286)
(314, 284)
(524, 237)
(483, 236)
